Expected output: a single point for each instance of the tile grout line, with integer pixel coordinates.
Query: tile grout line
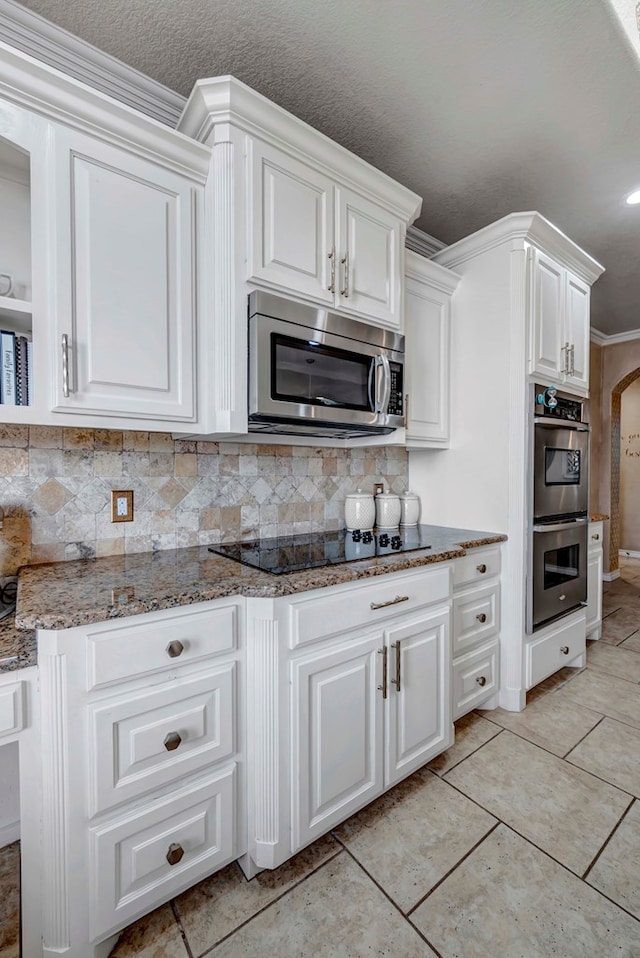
(581, 740)
(178, 920)
(441, 775)
(607, 840)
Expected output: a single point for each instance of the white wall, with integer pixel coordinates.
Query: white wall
(630, 468)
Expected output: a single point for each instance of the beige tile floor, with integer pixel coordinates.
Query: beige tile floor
(521, 841)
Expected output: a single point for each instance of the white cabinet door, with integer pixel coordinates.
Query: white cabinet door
(418, 725)
(292, 225)
(547, 304)
(577, 297)
(370, 243)
(426, 325)
(594, 581)
(124, 284)
(337, 723)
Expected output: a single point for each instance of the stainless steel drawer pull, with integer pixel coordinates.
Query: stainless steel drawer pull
(396, 681)
(383, 688)
(172, 741)
(564, 649)
(174, 649)
(481, 568)
(481, 681)
(481, 617)
(383, 605)
(175, 853)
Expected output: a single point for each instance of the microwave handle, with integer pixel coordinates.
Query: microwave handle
(381, 372)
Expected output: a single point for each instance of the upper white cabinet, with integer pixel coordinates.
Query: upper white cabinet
(427, 315)
(125, 305)
(559, 323)
(321, 241)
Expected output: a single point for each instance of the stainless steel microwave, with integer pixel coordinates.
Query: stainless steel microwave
(316, 373)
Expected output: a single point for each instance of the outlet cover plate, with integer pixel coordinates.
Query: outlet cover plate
(122, 505)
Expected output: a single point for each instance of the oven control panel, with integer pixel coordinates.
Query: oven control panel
(550, 402)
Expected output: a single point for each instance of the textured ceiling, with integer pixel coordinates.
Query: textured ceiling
(483, 107)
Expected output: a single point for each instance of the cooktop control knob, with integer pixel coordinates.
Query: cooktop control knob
(383, 539)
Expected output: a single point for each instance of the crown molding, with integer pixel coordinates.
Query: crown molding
(604, 339)
(423, 270)
(37, 37)
(423, 243)
(529, 227)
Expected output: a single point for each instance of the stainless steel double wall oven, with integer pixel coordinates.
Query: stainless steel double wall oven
(559, 507)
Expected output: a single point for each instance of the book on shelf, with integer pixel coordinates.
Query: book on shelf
(16, 356)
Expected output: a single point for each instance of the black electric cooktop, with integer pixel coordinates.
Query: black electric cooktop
(295, 553)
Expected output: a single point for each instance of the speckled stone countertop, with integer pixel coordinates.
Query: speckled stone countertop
(598, 516)
(18, 649)
(67, 594)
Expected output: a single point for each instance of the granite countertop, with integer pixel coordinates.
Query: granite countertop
(18, 648)
(598, 516)
(67, 594)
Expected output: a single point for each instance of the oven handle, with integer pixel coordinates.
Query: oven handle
(560, 526)
(561, 424)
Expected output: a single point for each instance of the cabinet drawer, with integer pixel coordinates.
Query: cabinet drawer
(129, 865)
(596, 531)
(11, 708)
(547, 654)
(157, 737)
(476, 567)
(476, 617)
(475, 678)
(326, 615)
(121, 652)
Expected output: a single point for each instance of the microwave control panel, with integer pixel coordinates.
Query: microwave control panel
(396, 404)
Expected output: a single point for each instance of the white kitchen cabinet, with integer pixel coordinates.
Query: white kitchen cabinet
(317, 239)
(559, 324)
(594, 580)
(427, 316)
(476, 627)
(140, 778)
(561, 644)
(125, 293)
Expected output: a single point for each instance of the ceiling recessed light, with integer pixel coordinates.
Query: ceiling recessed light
(633, 198)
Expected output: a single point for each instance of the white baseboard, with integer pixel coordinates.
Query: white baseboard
(610, 576)
(9, 833)
(629, 554)
(512, 700)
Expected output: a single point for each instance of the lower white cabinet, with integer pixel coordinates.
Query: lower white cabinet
(559, 644)
(594, 580)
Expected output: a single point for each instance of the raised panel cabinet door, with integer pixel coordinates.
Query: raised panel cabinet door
(291, 225)
(547, 302)
(578, 295)
(370, 244)
(337, 712)
(418, 725)
(426, 326)
(125, 284)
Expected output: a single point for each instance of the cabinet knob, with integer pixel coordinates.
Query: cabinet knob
(481, 568)
(174, 649)
(564, 649)
(172, 741)
(481, 680)
(175, 853)
(596, 536)
(481, 617)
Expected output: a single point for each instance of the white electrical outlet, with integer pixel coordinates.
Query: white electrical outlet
(122, 505)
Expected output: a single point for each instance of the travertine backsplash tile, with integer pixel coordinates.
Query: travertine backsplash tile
(55, 488)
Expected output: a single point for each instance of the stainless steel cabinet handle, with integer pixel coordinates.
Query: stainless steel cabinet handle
(172, 741)
(175, 853)
(383, 688)
(481, 680)
(383, 605)
(65, 365)
(345, 262)
(396, 681)
(572, 361)
(332, 256)
(174, 649)
(565, 365)
(481, 568)
(481, 617)
(564, 649)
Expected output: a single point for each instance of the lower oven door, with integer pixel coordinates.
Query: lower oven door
(558, 571)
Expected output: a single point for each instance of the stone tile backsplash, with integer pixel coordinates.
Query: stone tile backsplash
(55, 489)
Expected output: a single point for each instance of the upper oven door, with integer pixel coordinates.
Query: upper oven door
(560, 470)
(313, 375)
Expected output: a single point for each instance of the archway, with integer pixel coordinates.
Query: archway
(614, 509)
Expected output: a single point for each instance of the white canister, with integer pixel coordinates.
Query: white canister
(409, 509)
(387, 510)
(359, 510)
